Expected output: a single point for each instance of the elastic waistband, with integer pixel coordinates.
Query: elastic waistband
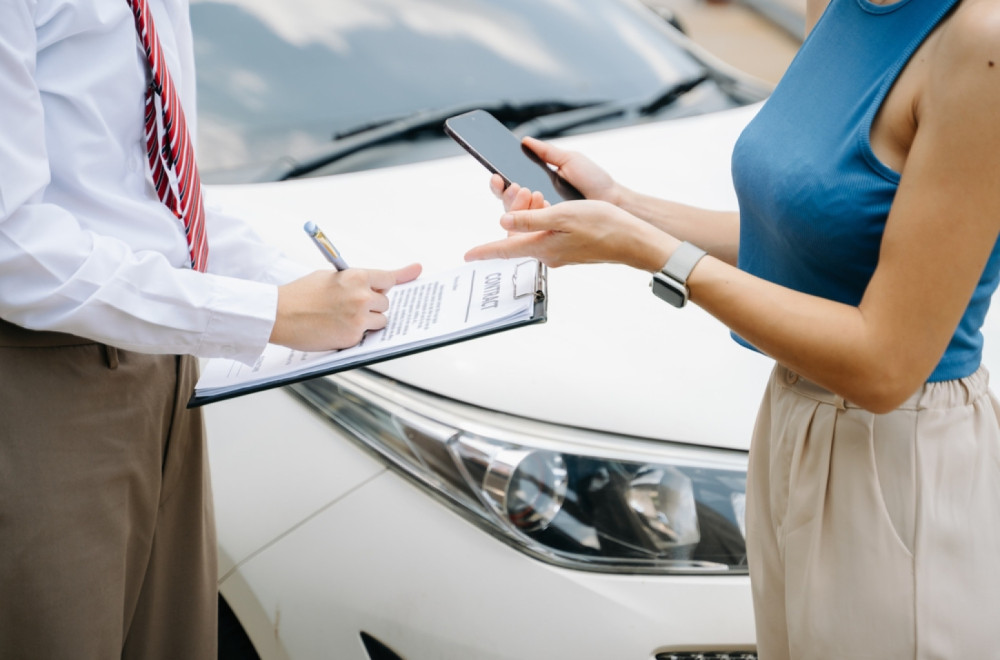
(14, 336)
(943, 394)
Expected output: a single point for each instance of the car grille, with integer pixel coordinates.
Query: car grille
(698, 655)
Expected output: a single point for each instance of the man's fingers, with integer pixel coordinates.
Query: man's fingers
(383, 280)
(407, 273)
(379, 303)
(377, 321)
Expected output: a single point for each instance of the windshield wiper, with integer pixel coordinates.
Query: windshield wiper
(551, 126)
(375, 133)
(539, 119)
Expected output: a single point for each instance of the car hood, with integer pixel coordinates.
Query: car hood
(611, 357)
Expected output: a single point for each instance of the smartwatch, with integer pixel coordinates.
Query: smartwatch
(670, 283)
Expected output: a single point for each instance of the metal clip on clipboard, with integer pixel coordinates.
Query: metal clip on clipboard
(530, 278)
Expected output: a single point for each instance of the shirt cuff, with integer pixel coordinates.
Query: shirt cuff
(242, 317)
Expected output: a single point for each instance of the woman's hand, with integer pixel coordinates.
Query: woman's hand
(516, 198)
(576, 168)
(577, 232)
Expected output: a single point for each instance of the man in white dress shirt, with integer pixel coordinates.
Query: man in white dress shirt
(107, 542)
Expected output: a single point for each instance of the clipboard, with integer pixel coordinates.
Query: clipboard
(529, 287)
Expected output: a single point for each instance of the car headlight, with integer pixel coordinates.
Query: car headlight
(571, 497)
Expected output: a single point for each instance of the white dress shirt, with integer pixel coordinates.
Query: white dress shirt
(86, 247)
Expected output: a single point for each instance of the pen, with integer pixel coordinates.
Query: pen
(325, 246)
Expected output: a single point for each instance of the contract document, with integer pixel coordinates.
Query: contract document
(479, 298)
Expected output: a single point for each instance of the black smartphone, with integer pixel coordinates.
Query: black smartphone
(493, 145)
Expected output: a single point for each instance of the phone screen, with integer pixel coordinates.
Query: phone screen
(493, 145)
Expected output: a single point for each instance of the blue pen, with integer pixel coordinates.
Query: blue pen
(325, 246)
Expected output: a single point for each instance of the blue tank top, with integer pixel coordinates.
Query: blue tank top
(813, 196)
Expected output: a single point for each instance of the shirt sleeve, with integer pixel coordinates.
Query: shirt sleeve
(236, 250)
(57, 273)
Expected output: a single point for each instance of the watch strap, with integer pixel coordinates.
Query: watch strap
(682, 262)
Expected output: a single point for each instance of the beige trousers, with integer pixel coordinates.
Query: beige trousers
(107, 541)
(875, 536)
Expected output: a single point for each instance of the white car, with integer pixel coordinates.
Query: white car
(569, 490)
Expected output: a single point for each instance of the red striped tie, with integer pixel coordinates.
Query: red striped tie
(168, 144)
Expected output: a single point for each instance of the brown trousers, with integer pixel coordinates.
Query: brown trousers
(875, 536)
(107, 535)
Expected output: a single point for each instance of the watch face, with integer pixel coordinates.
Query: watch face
(669, 290)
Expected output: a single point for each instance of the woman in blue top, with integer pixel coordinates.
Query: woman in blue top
(863, 259)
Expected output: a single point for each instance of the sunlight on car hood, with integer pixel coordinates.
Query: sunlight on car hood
(611, 356)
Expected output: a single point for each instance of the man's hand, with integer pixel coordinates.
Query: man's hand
(328, 309)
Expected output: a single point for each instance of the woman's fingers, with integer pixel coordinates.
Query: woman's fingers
(548, 152)
(497, 186)
(565, 216)
(528, 220)
(515, 245)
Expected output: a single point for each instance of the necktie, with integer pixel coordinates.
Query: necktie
(168, 143)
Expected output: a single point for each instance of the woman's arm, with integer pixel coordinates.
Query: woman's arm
(717, 232)
(944, 223)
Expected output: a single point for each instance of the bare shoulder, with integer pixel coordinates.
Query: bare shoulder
(964, 65)
(970, 39)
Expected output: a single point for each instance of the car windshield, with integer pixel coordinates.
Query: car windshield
(278, 81)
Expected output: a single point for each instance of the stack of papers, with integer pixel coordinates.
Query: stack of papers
(476, 299)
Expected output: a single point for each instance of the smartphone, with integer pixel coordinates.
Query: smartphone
(493, 145)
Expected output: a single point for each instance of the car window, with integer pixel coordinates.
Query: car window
(281, 79)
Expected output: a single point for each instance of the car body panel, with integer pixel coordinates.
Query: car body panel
(392, 562)
(273, 465)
